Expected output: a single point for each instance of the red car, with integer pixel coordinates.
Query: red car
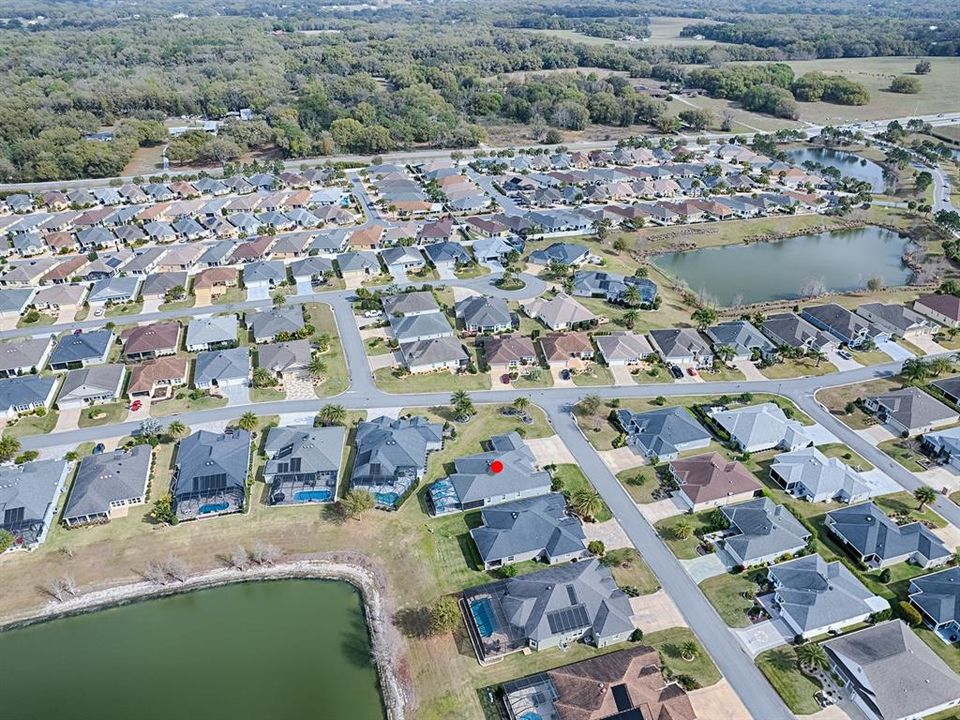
(136, 405)
(692, 372)
(505, 378)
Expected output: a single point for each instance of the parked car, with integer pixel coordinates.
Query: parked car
(844, 354)
(676, 372)
(99, 448)
(564, 374)
(692, 372)
(371, 314)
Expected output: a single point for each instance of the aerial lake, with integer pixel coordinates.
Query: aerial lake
(289, 649)
(848, 164)
(837, 261)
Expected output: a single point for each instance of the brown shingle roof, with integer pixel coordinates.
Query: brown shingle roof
(712, 477)
(507, 349)
(947, 305)
(560, 346)
(214, 276)
(65, 270)
(145, 375)
(151, 338)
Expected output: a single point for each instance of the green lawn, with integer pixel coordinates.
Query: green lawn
(33, 424)
(187, 302)
(630, 570)
(181, 403)
(846, 455)
(779, 665)
(727, 594)
(474, 270)
(593, 375)
(870, 357)
(904, 502)
(904, 451)
(126, 310)
(108, 414)
(429, 382)
(523, 381)
(668, 643)
(377, 346)
(797, 368)
(684, 548)
(43, 319)
(266, 394)
(571, 479)
(337, 379)
(641, 493)
(229, 296)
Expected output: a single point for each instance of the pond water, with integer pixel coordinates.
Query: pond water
(837, 261)
(848, 164)
(287, 649)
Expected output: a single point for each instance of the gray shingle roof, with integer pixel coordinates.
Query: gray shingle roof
(763, 529)
(268, 271)
(912, 408)
(623, 346)
(741, 336)
(531, 525)
(868, 529)
(24, 353)
(283, 356)
(386, 448)
(269, 323)
(316, 449)
(27, 493)
(408, 328)
(473, 480)
(484, 312)
(106, 478)
(211, 330)
(410, 303)
(660, 432)
(221, 365)
(762, 425)
(92, 382)
(204, 454)
(82, 346)
(25, 391)
(820, 475)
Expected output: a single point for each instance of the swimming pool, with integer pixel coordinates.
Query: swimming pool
(212, 508)
(483, 617)
(529, 716)
(387, 499)
(312, 496)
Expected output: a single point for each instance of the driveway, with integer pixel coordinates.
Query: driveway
(621, 375)
(941, 476)
(763, 636)
(445, 272)
(880, 482)
(304, 286)
(151, 305)
(68, 419)
(661, 509)
(259, 291)
(398, 274)
(705, 566)
(609, 533)
(876, 434)
(655, 611)
(749, 370)
(718, 702)
(620, 459)
(66, 314)
(143, 413)
(895, 350)
(236, 394)
(203, 297)
(558, 381)
(949, 534)
(384, 360)
(819, 434)
(927, 344)
(550, 451)
(9, 323)
(299, 386)
(842, 363)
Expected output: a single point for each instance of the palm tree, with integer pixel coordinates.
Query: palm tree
(915, 370)
(704, 317)
(462, 404)
(817, 355)
(248, 421)
(317, 368)
(632, 297)
(924, 495)
(683, 529)
(587, 503)
(9, 447)
(263, 378)
(279, 300)
(813, 656)
(323, 341)
(332, 414)
(176, 428)
(724, 353)
(940, 365)
(689, 650)
(521, 403)
(630, 318)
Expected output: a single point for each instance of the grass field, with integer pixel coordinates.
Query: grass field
(429, 382)
(572, 479)
(630, 570)
(797, 690)
(181, 402)
(732, 595)
(107, 414)
(662, 31)
(337, 378)
(33, 424)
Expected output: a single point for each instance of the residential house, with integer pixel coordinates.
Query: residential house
(212, 333)
(157, 378)
(402, 259)
(663, 433)
(267, 325)
(550, 608)
(681, 346)
(285, 357)
(26, 393)
(214, 281)
(264, 273)
(812, 476)
(14, 301)
(560, 312)
(943, 309)
(814, 596)
(852, 330)
(756, 428)
(910, 411)
(937, 597)
(358, 265)
(891, 674)
(896, 320)
(303, 463)
(792, 331)
(314, 270)
(220, 368)
(623, 348)
(761, 531)
(156, 285)
(146, 342)
(877, 541)
(81, 349)
(533, 528)
(434, 353)
(613, 288)
(506, 470)
(484, 314)
(25, 355)
(446, 256)
(391, 456)
(566, 349)
(711, 480)
(744, 340)
(492, 251)
(93, 385)
(107, 485)
(565, 254)
(507, 352)
(410, 304)
(29, 496)
(211, 473)
(950, 387)
(60, 297)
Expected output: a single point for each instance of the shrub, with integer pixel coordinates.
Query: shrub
(909, 613)
(636, 635)
(885, 576)
(596, 547)
(508, 571)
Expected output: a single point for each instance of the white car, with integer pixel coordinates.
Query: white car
(98, 312)
(371, 314)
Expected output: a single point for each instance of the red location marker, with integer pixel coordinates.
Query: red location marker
(496, 467)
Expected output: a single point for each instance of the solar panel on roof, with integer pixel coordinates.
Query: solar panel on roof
(567, 619)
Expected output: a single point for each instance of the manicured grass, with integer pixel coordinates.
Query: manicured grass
(797, 368)
(337, 379)
(651, 374)
(377, 346)
(593, 375)
(43, 320)
(266, 394)
(870, 357)
(835, 399)
(668, 643)
(904, 502)
(572, 479)
(642, 493)
(779, 665)
(902, 450)
(229, 296)
(126, 310)
(630, 570)
(187, 302)
(108, 414)
(181, 403)
(846, 455)
(429, 382)
(684, 548)
(33, 425)
(911, 347)
(726, 593)
(473, 270)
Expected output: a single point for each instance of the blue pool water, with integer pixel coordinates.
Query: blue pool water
(483, 617)
(312, 496)
(387, 499)
(529, 716)
(212, 508)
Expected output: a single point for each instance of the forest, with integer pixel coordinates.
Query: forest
(322, 79)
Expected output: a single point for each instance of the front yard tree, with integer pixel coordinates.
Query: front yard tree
(924, 495)
(813, 656)
(248, 421)
(683, 529)
(915, 370)
(176, 428)
(587, 503)
(462, 404)
(521, 403)
(317, 368)
(689, 650)
(9, 448)
(588, 405)
(6, 540)
(332, 415)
